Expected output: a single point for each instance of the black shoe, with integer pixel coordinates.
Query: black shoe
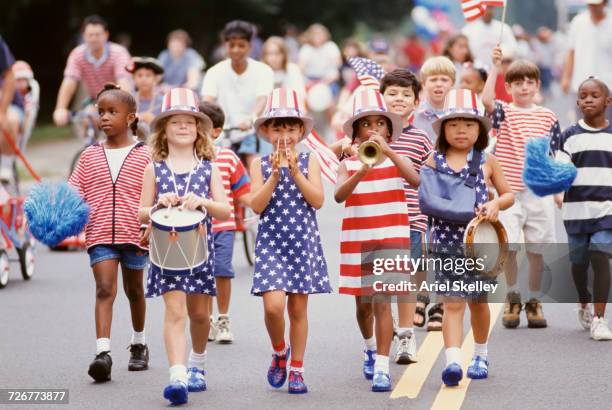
(100, 368)
(139, 357)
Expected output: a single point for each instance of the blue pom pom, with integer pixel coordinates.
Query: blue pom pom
(55, 211)
(543, 175)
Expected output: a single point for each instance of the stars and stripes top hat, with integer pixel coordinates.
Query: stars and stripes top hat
(462, 104)
(371, 102)
(181, 101)
(283, 103)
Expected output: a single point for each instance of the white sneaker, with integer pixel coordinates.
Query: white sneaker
(224, 335)
(406, 348)
(600, 329)
(6, 174)
(585, 316)
(212, 333)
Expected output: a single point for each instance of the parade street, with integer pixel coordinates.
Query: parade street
(48, 341)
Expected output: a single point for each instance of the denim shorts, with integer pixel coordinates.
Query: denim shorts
(581, 244)
(224, 249)
(416, 244)
(129, 256)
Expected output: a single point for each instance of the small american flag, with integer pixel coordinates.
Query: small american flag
(494, 3)
(472, 9)
(327, 159)
(368, 72)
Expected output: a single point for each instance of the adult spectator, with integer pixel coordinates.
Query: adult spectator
(320, 57)
(590, 48)
(182, 65)
(11, 110)
(95, 62)
(483, 34)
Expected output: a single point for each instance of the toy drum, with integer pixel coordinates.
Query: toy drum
(319, 97)
(488, 241)
(178, 241)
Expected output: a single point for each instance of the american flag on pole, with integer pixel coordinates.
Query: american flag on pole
(494, 3)
(327, 159)
(368, 72)
(473, 9)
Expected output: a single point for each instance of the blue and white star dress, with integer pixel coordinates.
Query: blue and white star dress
(288, 251)
(447, 237)
(198, 282)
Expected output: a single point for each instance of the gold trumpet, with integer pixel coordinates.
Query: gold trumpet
(369, 153)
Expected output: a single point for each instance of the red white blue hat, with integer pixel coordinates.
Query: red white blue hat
(181, 101)
(462, 104)
(284, 103)
(369, 101)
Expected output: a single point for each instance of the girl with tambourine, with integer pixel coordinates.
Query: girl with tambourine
(183, 174)
(459, 163)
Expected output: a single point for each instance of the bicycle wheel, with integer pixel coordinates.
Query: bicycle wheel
(4, 268)
(249, 235)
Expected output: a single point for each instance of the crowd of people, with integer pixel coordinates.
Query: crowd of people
(467, 113)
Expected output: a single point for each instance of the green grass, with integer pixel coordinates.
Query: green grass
(48, 133)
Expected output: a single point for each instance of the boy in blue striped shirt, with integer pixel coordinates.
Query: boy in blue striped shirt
(587, 205)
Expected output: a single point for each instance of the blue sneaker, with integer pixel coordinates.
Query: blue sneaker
(296, 383)
(368, 364)
(277, 373)
(452, 375)
(195, 379)
(381, 382)
(479, 368)
(176, 392)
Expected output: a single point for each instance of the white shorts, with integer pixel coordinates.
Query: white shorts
(533, 217)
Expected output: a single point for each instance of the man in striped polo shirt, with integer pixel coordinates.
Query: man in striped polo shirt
(530, 215)
(237, 187)
(587, 205)
(95, 62)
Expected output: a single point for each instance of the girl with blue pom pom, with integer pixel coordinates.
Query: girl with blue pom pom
(108, 176)
(183, 173)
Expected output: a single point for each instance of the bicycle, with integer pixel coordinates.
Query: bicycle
(90, 136)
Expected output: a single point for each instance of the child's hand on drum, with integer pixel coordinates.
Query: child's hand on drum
(192, 201)
(169, 199)
(489, 210)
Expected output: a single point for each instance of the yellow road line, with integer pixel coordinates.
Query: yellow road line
(450, 398)
(415, 375)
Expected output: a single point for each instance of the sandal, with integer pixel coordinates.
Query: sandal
(435, 317)
(419, 314)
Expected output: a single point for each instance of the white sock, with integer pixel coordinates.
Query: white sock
(178, 372)
(403, 330)
(480, 350)
(381, 364)
(513, 288)
(535, 294)
(197, 360)
(453, 355)
(370, 344)
(6, 161)
(226, 315)
(102, 345)
(138, 338)
(296, 369)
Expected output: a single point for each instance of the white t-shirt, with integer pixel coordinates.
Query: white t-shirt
(115, 158)
(592, 45)
(482, 38)
(291, 78)
(320, 62)
(237, 94)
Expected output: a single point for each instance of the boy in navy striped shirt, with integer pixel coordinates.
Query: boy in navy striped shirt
(587, 205)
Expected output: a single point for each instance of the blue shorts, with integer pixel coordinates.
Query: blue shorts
(129, 256)
(581, 244)
(224, 249)
(416, 244)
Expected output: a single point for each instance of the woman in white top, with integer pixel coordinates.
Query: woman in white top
(320, 58)
(286, 73)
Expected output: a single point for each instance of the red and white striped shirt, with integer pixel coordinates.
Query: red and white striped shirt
(113, 219)
(515, 127)
(235, 183)
(374, 214)
(414, 144)
(94, 74)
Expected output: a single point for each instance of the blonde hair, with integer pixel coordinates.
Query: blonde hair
(282, 47)
(203, 145)
(439, 65)
(308, 34)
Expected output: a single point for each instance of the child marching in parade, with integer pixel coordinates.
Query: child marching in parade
(289, 264)
(183, 174)
(375, 213)
(108, 176)
(462, 137)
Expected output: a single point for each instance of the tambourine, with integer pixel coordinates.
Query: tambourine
(489, 241)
